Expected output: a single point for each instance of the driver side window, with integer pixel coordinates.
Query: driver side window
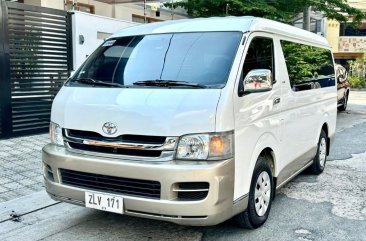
(259, 55)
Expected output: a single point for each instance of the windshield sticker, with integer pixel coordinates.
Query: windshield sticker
(108, 43)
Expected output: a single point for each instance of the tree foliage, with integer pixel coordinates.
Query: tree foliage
(281, 10)
(305, 62)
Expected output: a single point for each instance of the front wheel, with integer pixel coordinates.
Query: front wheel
(260, 197)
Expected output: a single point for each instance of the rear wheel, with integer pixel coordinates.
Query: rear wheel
(343, 107)
(321, 156)
(260, 197)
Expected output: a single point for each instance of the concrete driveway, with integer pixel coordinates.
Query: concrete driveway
(331, 206)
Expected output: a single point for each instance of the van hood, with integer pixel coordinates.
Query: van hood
(137, 111)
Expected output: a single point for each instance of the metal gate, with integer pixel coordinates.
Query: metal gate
(35, 60)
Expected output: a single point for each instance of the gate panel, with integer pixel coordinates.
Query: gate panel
(5, 95)
(2, 57)
(39, 63)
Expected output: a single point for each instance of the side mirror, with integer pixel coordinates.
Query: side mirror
(257, 80)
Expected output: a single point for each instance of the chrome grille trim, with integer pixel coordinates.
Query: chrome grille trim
(169, 144)
(165, 155)
(167, 148)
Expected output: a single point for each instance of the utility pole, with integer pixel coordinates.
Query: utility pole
(114, 10)
(172, 10)
(144, 11)
(306, 18)
(227, 9)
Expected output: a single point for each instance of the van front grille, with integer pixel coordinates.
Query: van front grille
(136, 146)
(111, 184)
(125, 138)
(111, 150)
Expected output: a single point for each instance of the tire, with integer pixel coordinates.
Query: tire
(343, 107)
(321, 155)
(254, 217)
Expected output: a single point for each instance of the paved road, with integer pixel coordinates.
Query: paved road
(331, 206)
(20, 166)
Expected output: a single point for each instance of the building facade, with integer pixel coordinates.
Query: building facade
(348, 42)
(129, 10)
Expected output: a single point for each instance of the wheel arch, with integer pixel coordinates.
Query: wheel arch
(269, 155)
(266, 145)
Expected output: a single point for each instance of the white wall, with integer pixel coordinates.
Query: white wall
(89, 25)
(33, 2)
(53, 4)
(125, 11)
(122, 11)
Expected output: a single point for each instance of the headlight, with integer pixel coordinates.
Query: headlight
(214, 146)
(56, 134)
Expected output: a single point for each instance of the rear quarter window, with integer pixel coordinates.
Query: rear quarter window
(308, 67)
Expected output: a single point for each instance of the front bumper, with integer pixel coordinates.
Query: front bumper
(217, 207)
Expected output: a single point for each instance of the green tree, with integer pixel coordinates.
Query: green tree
(305, 62)
(280, 10)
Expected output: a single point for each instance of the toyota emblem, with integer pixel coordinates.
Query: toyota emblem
(109, 128)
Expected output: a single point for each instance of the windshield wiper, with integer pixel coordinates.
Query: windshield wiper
(97, 82)
(168, 83)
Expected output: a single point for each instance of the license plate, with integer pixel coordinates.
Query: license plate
(105, 202)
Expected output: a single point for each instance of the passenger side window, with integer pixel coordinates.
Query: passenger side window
(308, 67)
(259, 55)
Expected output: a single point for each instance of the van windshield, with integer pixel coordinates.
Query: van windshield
(200, 59)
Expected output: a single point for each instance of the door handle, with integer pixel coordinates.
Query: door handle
(276, 100)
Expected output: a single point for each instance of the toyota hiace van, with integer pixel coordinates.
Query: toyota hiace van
(193, 121)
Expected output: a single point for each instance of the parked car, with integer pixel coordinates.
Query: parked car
(193, 121)
(343, 87)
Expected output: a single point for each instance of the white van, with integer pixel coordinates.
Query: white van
(193, 121)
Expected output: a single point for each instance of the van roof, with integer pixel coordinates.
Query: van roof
(242, 24)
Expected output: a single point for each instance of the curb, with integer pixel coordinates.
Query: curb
(358, 89)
